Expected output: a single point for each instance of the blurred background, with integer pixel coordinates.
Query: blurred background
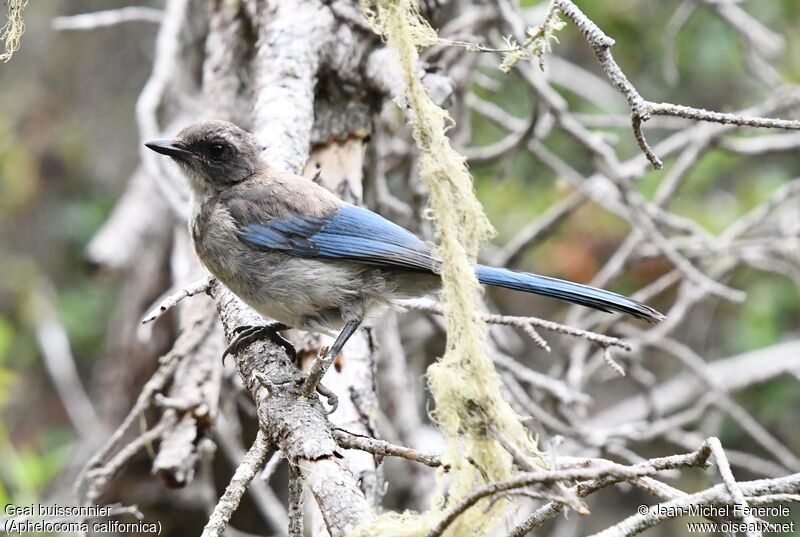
(69, 143)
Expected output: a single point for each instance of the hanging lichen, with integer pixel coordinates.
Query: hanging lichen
(534, 47)
(12, 32)
(537, 42)
(463, 383)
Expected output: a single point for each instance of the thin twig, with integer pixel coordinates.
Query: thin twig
(716, 495)
(272, 465)
(641, 109)
(245, 473)
(601, 471)
(98, 477)
(195, 288)
(60, 362)
(521, 322)
(111, 17)
(552, 509)
(382, 448)
(733, 487)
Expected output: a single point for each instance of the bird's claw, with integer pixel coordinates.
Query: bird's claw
(328, 394)
(243, 328)
(244, 335)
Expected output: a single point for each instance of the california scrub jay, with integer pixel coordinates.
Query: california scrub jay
(297, 254)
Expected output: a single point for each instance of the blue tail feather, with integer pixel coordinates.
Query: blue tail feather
(567, 291)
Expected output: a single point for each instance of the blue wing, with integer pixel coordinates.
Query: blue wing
(356, 234)
(352, 233)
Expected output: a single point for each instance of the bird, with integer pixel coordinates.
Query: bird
(305, 259)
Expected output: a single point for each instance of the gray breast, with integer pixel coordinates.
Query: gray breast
(301, 292)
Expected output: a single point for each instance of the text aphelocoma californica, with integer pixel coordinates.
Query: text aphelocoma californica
(297, 254)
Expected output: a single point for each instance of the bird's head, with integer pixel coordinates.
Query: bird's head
(214, 154)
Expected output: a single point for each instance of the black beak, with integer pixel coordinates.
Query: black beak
(169, 148)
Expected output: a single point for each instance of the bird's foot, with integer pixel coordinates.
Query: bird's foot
(328, 394)
(245, 335)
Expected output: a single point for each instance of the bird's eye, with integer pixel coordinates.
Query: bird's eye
(216, 151)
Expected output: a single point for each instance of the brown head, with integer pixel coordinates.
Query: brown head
(215, 155)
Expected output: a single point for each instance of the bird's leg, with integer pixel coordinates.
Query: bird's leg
(321, 364)
(245, 335)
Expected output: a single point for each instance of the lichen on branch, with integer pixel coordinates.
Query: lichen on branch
(463, 383)
(535, 45)
(12, 32)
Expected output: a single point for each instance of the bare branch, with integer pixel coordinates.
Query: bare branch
(60, 362)
(186, 344)
(245, 473)
(641, 109)
(111, 17)
(382, 448)
(606, 472)
(522, 322)
(538, 229)
(713, 496)
(733, 487)
(195, 288)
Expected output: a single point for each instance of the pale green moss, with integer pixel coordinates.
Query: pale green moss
(12, 32)
(464, 383)
(536, 44)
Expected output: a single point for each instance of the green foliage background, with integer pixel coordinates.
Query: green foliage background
(67, 145)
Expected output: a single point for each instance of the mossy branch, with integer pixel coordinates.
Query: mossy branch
(535, 46)
(463, 383)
